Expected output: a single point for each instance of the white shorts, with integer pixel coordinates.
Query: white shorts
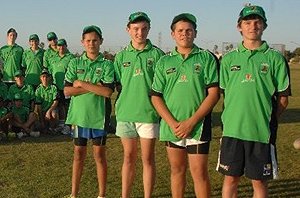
(137, 129)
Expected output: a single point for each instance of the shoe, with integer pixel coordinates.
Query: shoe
(65, 130)
(35, 134)
(11, 135)
(20, 135)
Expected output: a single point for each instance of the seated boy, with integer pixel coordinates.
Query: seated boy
(23, 120)
(5, 118)
(46, 103)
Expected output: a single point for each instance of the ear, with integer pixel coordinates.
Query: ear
(101, 41)
(196, 33)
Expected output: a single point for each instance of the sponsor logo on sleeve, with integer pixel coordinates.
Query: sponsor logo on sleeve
(235, 68)
(126, 64)
(171, 70)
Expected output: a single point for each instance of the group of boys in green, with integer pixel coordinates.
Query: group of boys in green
(23, 70)
(181, 88)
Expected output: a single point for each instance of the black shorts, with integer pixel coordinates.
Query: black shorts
(254, 159)
(61, 97)
(192, 149)
(98, 141)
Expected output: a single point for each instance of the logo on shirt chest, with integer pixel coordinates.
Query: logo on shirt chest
(235, 68)
(264, 68)
(126, 64)
(197, 68)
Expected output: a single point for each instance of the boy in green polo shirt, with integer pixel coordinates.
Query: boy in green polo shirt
(24, 89)
(23, 120)
(250, 76)
(58, 67)
(189, 73)
(11, 56)
(89, 79)
(136, 117)
(46, 102)
(3, 87)
(5, 118)
(32, 61)
(52, 49)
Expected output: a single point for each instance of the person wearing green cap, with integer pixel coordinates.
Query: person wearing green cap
(52, 49)
(58, 67)
(188, 72)
(5, 117)
(3, 87)
(11, 56)
(46, 102)
(32, 61)
(26, 91)
(23, 120)
(250, 77)
(89, 80)
(137, 120)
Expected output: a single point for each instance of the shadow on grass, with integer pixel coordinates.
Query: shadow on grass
(290, 116)
(277, 188)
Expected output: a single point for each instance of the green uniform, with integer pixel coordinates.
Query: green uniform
(249, 79)
(22, 112)
(3, 90)
(135, 71)
(33, 64)
(26, 92)
(182, 83)
(58, 67)
(45, 96)
(48, 55)
(11, 56)
(88, 110)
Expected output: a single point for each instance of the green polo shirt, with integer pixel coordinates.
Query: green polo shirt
(26, 92)
(249, 79)
(11, 56)
(135, 71)
(33, 64)
(22, 112)
(48, 55)
(88, 110)
(182, 83)
(3, 90)
(45, 96)
(58, 67)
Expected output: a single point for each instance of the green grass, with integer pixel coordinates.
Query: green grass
(41, 167)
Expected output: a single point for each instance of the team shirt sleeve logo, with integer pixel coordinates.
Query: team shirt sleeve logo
(150, 62)
(235, 68)
(126, 64)
(264, 68)
(197, 68)
(171, 70)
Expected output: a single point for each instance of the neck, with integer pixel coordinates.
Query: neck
(139, 46)
(252, 44)
(10, 43)
(92, 56)
(184, 51)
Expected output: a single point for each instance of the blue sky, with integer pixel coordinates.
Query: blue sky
(216, 20)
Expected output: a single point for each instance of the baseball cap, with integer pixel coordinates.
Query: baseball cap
(18, 73)
(11, 30)
(252, 10)
(34, 37)
(186, 16)
(61, 42)
(138, 15)
(18, 96)
(51, 36)
(92, 28)
(45, 71)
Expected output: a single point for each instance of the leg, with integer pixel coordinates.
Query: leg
(101, 165)
(129, 163)
(199, 172)
(260, 188)
(178, 162)
(230, 186)
(148, 158)
(78, 163)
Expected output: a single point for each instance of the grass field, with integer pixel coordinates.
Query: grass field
(41, 167)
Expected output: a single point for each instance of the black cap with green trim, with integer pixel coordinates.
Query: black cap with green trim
(51, 36)
(61, 42)
(185, 16)
(138, 15)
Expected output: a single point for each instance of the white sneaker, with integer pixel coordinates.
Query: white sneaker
(65, 130)
(35, 134)
(20, 135)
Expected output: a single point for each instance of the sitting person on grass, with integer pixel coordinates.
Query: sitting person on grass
(46, 103)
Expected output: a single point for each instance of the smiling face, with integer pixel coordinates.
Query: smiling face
(251, 29)
(11, 37)
(184, 34)
(138, 32)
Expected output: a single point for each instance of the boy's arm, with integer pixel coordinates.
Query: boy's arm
(186, 126)
(70, 90)
(163, 111)
(97, 89)
(282, 103)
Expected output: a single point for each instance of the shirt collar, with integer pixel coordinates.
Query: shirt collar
(147, 47)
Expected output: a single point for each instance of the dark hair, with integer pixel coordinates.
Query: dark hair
(251, 17)
(184, 20)
(140, 19)
(12, 30)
